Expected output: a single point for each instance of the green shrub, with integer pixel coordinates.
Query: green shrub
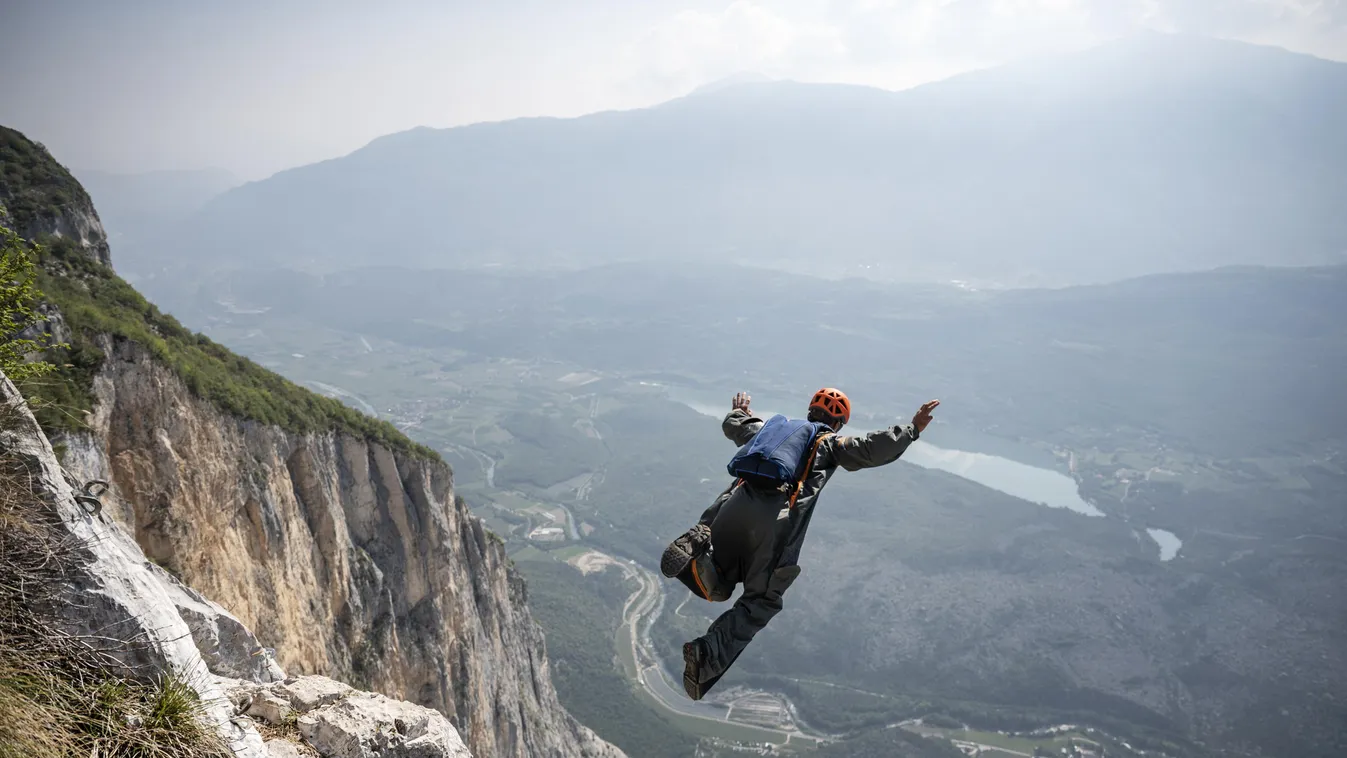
(19, 297)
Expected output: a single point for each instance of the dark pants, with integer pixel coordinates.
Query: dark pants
(712, 577)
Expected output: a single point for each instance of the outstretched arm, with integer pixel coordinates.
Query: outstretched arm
(740, 425)
(882, 447)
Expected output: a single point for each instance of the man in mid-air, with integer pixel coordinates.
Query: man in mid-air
(753, 532)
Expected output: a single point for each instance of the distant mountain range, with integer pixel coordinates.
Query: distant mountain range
(1152, 153)
(121, 195)
(143, 212)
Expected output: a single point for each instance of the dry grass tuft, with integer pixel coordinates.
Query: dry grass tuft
(61, 697)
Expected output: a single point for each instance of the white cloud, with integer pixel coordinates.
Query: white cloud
(1318, 27)
(892, 43)
(691, 47)
(897, 43)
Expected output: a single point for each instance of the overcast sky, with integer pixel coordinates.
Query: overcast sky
(255, 86)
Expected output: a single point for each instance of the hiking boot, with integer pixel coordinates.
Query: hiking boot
(685, 550)
(694, 657)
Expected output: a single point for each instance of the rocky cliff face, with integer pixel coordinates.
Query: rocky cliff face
(349, 560)
(79, 223)
(117, 601)
(38, 198)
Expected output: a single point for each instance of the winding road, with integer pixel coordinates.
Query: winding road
(332, 390)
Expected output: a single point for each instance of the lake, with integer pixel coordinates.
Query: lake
(1037, 485)
(1168, 541)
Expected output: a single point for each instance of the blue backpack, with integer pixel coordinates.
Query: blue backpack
(780, 454)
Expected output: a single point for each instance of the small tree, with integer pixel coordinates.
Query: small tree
(19, 298)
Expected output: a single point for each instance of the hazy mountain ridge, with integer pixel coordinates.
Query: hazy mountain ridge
(120, 195)
(1146, 155)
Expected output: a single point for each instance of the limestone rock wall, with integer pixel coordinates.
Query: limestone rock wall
(80, 224)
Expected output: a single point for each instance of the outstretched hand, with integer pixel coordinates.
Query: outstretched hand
(740, 402)
(923, 417)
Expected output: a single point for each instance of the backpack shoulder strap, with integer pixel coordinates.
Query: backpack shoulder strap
(808, 468)
(798, 521)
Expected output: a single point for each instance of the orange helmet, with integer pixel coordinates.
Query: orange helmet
(833, 403)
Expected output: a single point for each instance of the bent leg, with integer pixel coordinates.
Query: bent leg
(681, 552)
(692, 543)
(730, 634)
